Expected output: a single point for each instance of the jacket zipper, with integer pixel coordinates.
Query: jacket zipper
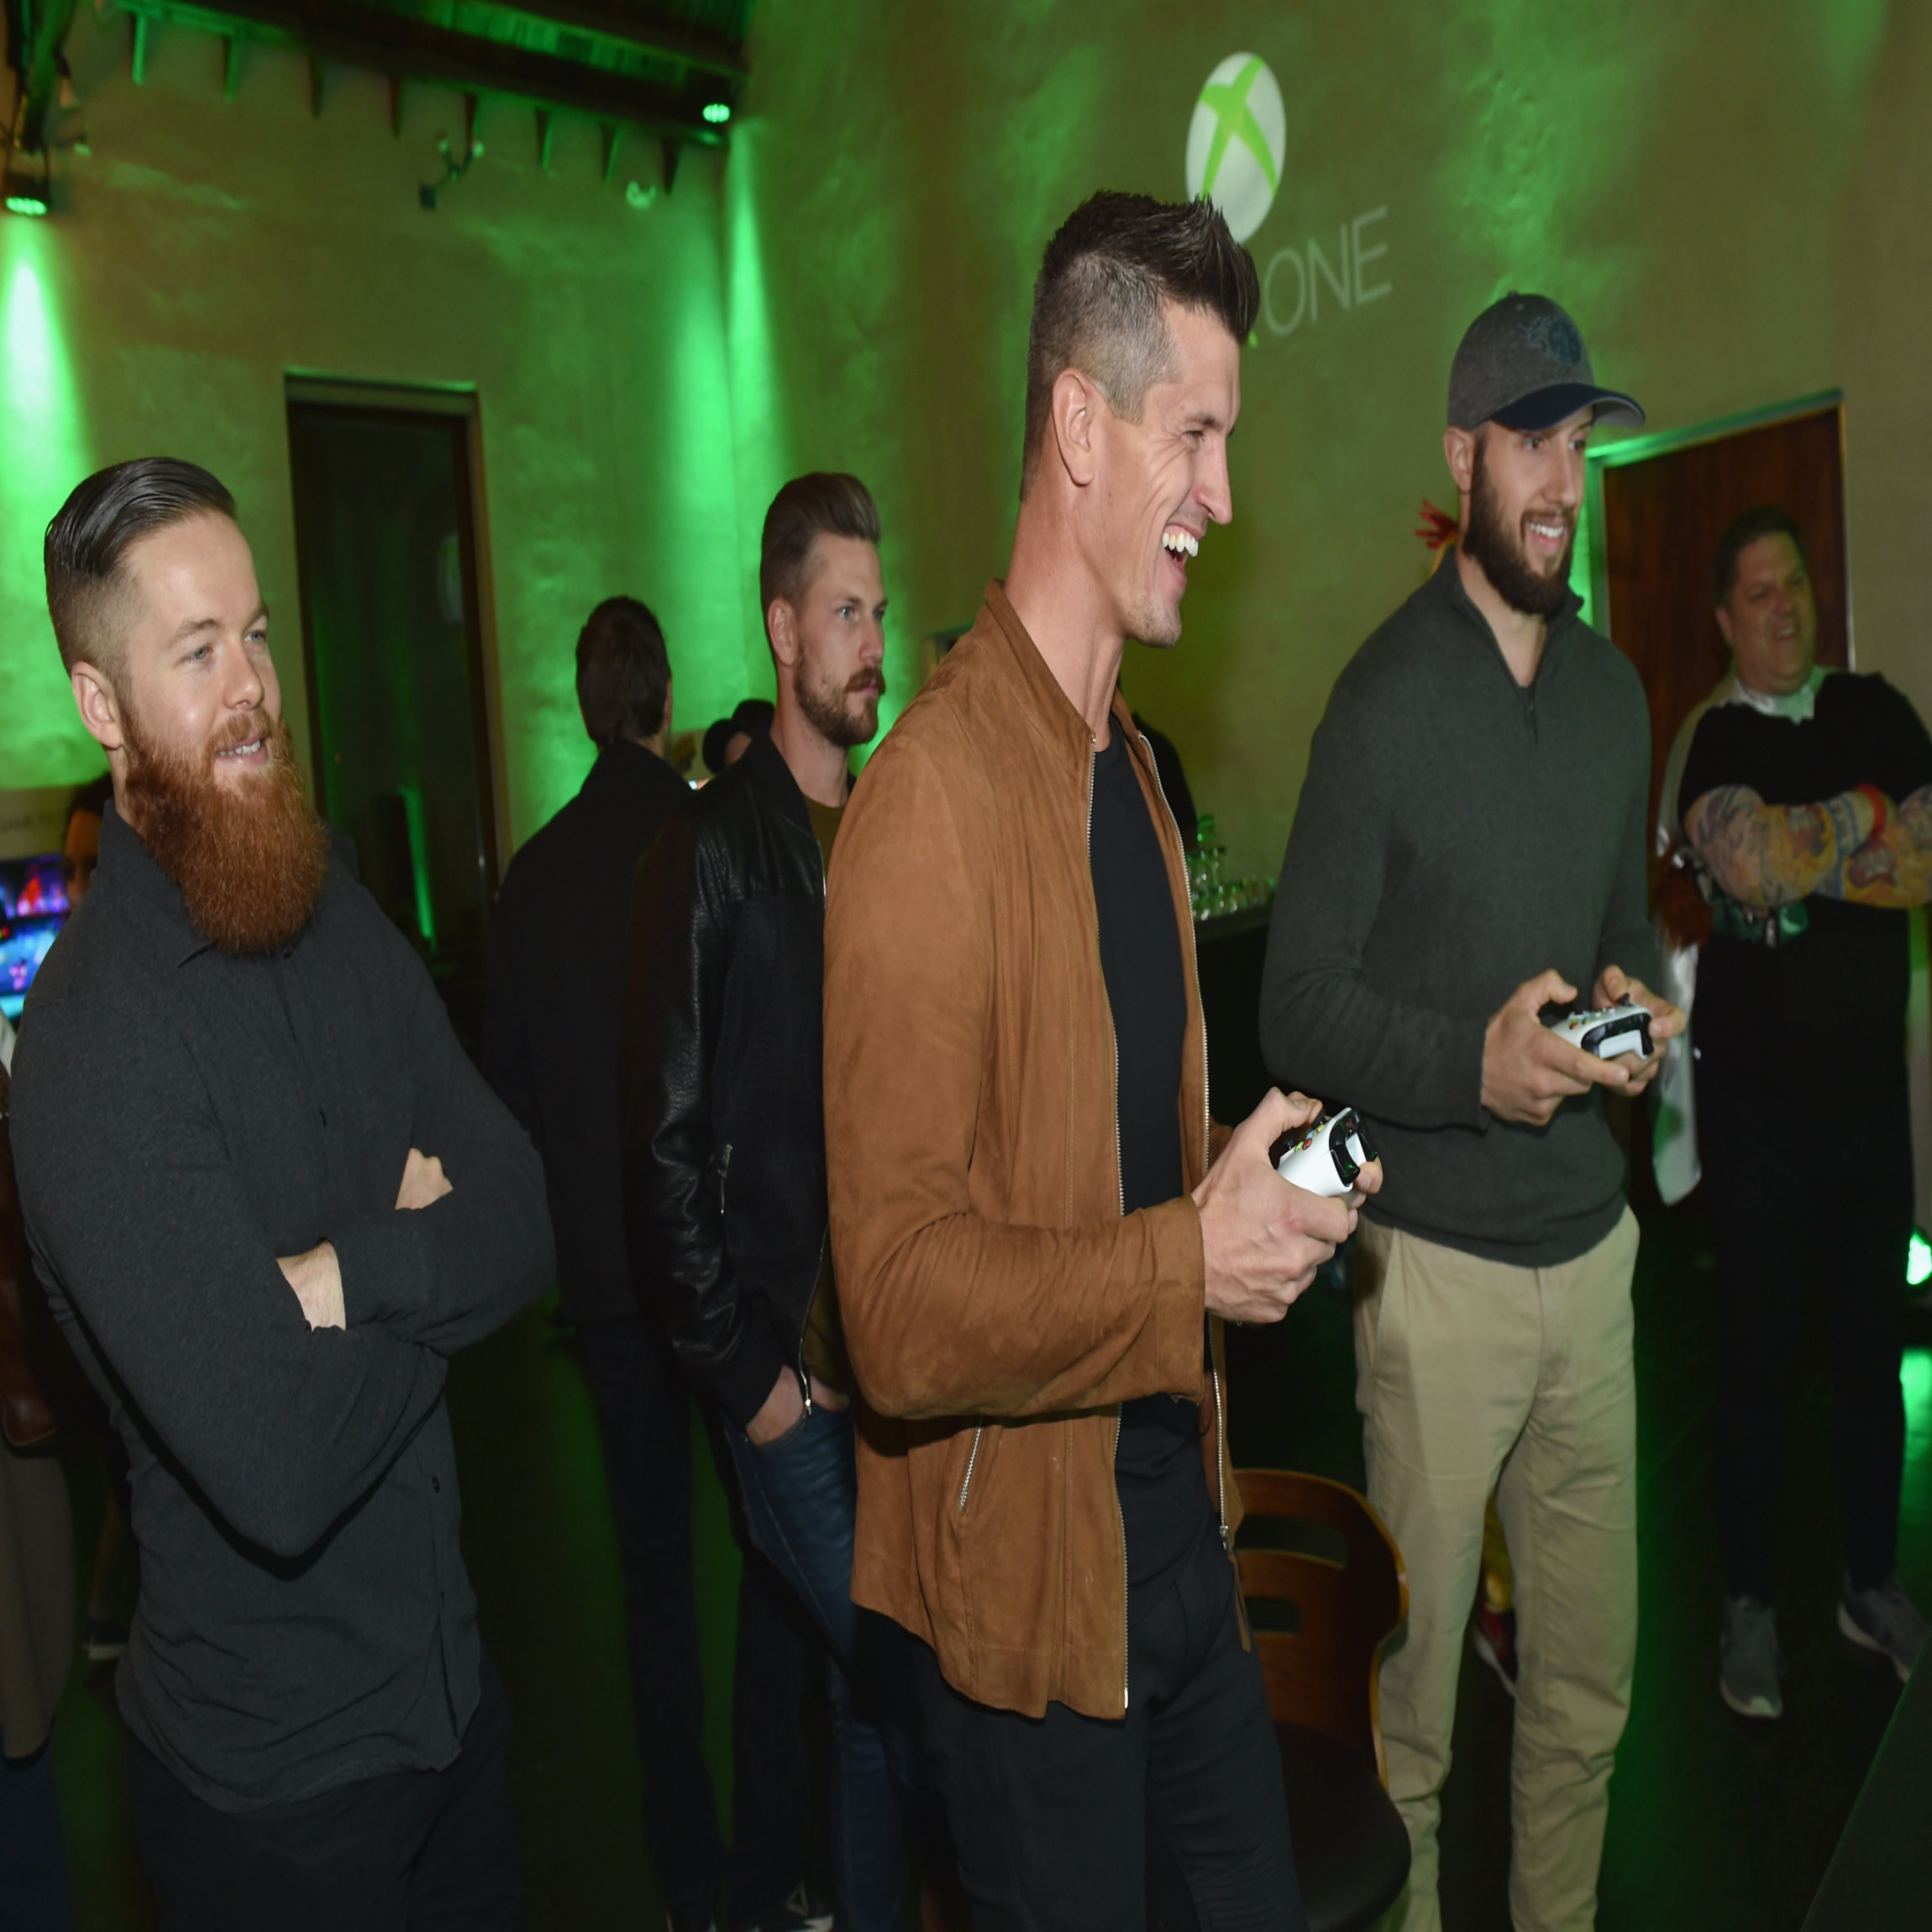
(972, 1456)
(1221, 1459)
(1120, 1190)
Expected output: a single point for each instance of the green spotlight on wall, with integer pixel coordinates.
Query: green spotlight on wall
(1917, 1261)
(717, 112)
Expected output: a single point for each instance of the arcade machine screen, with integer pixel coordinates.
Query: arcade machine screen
(32, 908)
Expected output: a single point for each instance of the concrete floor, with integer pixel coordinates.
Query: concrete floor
(1713, 1823)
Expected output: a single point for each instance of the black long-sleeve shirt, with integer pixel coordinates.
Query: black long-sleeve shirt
(182, 1117)
(1457, 833)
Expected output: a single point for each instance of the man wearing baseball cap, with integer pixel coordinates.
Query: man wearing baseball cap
(1466, 860)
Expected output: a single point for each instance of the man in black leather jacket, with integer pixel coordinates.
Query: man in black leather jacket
(724, 1135)
(550, 1032)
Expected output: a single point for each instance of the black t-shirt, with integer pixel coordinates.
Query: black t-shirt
(1832, 998)
(1157, 1465)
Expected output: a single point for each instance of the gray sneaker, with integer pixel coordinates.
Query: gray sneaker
(1884, 1619)
(1752, 1663)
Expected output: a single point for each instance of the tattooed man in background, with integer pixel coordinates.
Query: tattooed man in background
(1805, 796)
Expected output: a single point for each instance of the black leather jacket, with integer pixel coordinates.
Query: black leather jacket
(722, 1079)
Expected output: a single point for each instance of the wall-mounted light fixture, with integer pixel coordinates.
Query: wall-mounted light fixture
(453, 169)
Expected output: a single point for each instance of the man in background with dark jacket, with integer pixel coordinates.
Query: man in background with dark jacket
(1469, 850)
(550, 1035)
(724, 1133)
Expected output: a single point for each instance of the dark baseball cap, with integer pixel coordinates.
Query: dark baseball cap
(1522, 363)
(752, 716)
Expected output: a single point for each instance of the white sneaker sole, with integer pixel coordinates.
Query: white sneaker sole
(1865, 1641)
(1761, 1709)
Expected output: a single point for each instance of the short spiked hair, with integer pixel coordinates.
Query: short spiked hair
(90, 536)
(1098, 306)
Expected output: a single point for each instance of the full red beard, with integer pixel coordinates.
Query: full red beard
(249, 859)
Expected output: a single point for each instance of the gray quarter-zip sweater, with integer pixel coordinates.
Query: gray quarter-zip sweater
(1457, 833)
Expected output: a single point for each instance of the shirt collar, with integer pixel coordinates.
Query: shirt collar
(1446, 583)
(128, 873)
(1796, 706)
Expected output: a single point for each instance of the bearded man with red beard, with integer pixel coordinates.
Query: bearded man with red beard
(302, 1201)
(1468, 857)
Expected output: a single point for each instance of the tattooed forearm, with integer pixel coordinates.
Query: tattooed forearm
(1766, 855)
(1893, 867)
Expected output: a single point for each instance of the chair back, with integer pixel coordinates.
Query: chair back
(1326, 1673)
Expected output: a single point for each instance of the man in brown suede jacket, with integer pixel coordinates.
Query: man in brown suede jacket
(1030, 1225)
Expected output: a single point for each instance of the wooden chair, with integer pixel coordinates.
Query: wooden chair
(1351, 1850)
(1324, 1690)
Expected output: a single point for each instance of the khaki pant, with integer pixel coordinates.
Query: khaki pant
(1471, 1374)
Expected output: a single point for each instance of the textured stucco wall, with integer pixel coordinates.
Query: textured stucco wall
(1728, 194)
(205, 248)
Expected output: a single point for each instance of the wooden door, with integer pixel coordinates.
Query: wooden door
(1662, 513)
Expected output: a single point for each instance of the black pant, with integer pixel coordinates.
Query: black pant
(644, 1412)
(1051, 1816)
(413, 1851)
(1819, 1189)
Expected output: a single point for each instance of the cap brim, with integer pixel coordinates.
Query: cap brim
(1545, 408)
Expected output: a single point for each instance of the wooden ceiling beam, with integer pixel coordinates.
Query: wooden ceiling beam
(407, 49)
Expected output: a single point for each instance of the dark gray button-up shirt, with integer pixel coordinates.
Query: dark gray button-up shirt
(182, 1117)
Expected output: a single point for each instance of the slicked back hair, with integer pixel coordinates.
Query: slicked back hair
(623, 672)
(1098, 304)
(1766, 520)
(826, 503)
(90, 536)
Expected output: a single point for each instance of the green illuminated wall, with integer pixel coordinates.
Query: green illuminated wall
(1728, 195)
(204, 249)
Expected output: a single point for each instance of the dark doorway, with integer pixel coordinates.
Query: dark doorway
(385, 535)
(1662, 502)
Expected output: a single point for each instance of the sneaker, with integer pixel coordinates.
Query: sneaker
(104, 1641)
(1493, 1634)
(1752, 1662)
(1884, 1619)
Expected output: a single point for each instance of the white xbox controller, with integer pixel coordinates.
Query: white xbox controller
(1326, 1158)
(1609, 1031)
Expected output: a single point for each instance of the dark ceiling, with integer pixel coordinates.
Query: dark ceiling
(655, 67)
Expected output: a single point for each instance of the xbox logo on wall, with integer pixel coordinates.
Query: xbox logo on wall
(1236, 142)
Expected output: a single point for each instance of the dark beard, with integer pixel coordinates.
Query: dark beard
(828, 709)
(1499, 550)
(249, 864)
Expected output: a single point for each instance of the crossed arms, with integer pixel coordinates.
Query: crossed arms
(1858, 847)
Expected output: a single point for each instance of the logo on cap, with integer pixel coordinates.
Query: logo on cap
(1553, 334)
(1236, 142)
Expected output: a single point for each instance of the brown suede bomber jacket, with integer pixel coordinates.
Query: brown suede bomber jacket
(997, 1305)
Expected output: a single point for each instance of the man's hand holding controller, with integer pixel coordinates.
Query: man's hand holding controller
(1529, 1072)
(315, 1275)
(1262, 1238)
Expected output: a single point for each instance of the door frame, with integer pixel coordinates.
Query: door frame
(1664, 442)
(448, 400)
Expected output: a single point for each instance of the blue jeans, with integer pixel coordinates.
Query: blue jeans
(800, 1504)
